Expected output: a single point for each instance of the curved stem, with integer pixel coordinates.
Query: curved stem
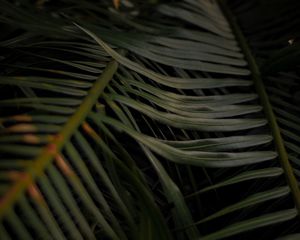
(264, 99)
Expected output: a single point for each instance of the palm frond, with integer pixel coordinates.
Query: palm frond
(140, 127)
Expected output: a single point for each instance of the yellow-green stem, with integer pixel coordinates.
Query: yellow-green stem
(37, 168)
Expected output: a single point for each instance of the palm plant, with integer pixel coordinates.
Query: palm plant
(149, 122)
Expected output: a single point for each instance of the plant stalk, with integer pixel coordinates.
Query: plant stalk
(268, 110)
(50, 151)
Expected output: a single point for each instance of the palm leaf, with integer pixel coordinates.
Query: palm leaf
(124, 131)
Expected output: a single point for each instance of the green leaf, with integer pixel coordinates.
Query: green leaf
(261, 221)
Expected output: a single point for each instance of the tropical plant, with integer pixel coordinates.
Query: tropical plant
(149, 121)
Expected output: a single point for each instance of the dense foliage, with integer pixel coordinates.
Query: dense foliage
(149, 119)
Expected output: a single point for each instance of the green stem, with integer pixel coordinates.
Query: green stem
(260, 88)
(48, 153)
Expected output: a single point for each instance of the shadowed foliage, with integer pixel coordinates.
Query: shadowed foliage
(149, 119)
